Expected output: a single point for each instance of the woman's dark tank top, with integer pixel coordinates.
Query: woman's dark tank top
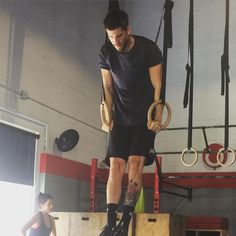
(42, 230)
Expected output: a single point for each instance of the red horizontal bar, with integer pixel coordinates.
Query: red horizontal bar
(207, 223)
(60, 166)
(200, 174)
(56, 165)
(203, 179)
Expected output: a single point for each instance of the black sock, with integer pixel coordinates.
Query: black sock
(111, 215)
(127, 215)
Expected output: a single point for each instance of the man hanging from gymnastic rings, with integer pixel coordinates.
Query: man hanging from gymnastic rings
(131, 68)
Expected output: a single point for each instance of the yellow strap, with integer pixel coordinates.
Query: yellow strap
(140, 204)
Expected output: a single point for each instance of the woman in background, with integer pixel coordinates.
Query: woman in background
(42, 223)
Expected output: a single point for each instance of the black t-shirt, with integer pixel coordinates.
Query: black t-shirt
(133, 92)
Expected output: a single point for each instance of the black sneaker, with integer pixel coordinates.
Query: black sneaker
(120, 230)
(106, 231)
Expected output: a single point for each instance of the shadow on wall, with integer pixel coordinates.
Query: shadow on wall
(68, 24)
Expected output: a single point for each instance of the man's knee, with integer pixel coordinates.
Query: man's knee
(136, 164)
(117, 167)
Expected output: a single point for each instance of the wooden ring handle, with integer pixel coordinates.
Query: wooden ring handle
(150, 111)
(218, 157)
(195, 157)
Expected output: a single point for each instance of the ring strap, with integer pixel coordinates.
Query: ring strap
(189, 79)
(225, 80)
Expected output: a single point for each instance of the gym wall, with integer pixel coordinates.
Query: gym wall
(208, 104)
(49, 71)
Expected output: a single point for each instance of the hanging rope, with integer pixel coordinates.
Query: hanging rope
(112, 6)
(188, 94)
(167, 41)
(225, 80)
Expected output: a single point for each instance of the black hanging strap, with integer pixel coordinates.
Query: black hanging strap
(159, 27)
(186, 91)
(225, 80)
(112, 6)
(167, 41)
(168, 23)
(188, 94)
(167, 15)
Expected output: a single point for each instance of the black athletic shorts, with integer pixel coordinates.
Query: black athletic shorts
(125, 141)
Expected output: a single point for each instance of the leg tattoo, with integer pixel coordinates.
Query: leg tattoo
(131, 194)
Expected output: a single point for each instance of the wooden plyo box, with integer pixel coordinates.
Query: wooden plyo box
(90, 224)
(81, 223)
(159, 225)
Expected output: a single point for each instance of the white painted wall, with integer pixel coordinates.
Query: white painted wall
(49, 50)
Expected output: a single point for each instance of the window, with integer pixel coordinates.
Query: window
(17, 155)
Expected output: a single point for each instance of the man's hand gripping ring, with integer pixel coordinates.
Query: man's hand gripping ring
(150, 112)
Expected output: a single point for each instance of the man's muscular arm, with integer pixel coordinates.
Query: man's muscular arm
(155, 73)
(108, 93)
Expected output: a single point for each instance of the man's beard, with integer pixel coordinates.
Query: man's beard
(122, 49)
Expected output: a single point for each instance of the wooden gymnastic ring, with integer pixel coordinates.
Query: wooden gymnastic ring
(103, 112)
(195, 159)
(209, 155)
(218, 157)
(150, 111)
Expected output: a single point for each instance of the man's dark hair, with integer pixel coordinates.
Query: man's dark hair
(116, 19)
